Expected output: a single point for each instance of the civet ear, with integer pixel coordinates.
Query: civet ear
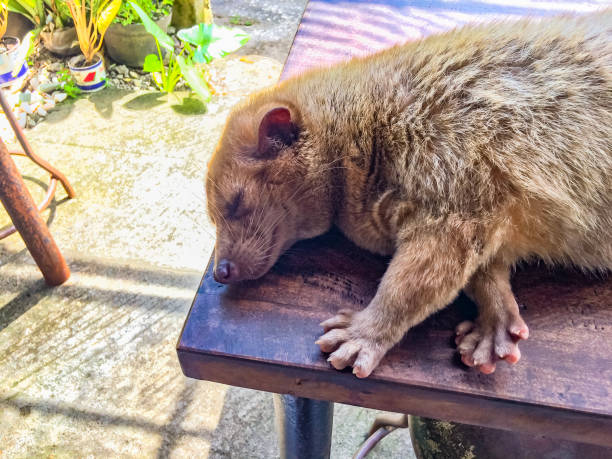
(276, 131)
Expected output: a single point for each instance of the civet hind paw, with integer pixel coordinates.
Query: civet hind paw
(482, 345)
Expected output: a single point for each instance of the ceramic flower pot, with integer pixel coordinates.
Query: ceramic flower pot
(88, 78)
(434, 439)
(130, 44)
(17, 25)
(13, 65)
(63, 42)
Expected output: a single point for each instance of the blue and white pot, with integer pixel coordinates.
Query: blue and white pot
(90, 78)
(13, 65)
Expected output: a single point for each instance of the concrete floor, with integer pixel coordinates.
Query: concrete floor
(89, 369)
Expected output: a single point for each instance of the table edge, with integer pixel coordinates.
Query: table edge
(583, 427)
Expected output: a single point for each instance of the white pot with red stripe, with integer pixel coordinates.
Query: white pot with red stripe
(88, 77)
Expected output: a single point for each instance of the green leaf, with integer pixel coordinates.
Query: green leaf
(200, 57)
(25, 48)
(106, 16)
(26, 8)
(174, 75)
(152, 64)
(158, 81)
(162, 37)
(199, 34)
(40, 11)
(212, 41)
(194, 78)
(29, 43)
(226, 41)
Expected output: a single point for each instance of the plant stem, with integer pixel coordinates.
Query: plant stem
(161, 60)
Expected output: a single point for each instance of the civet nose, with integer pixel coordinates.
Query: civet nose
(226, 271)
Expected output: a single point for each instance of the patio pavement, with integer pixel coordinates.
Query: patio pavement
(89, 369)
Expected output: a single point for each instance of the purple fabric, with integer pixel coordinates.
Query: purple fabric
(335, 30)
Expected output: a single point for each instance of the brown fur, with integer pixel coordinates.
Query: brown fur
(459, 155)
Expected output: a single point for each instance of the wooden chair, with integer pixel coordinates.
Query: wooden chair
(261, 334)
(22, 210)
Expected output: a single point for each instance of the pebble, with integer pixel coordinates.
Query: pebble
(134, 74)
(171, 30)
(27, 108)
(59, 97)
(22, 119)
(25, 96)
(49, 105)
(41, 111)
(30, 122)
(122, 69)
(48, 87)
(43, 77)
(55, 67)
(34, 82)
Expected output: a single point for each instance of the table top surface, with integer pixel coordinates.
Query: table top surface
(260, 334)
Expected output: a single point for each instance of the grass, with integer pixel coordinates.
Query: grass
(240, 21)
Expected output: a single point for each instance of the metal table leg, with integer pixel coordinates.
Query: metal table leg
(24, 214)
(304, 427)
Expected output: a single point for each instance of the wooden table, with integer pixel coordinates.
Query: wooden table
(261, 334)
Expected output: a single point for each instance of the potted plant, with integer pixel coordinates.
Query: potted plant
(52, 19)
(200, 44)
(62, 41)
(91, 20)
(12, 57)
(59, 34)
(127, 41)
(179, 64)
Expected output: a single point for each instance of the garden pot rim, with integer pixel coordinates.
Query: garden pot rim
(57, 30)
(89, 67)
(133, 25)
(61, 41)
(15, 46)
(48, 34)
(130, 44)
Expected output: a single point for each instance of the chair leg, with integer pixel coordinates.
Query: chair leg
(27, 149)
(383, 425)
(24, 214)
(304, 427)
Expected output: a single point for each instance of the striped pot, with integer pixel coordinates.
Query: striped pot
(12, 66)
(90, 78)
